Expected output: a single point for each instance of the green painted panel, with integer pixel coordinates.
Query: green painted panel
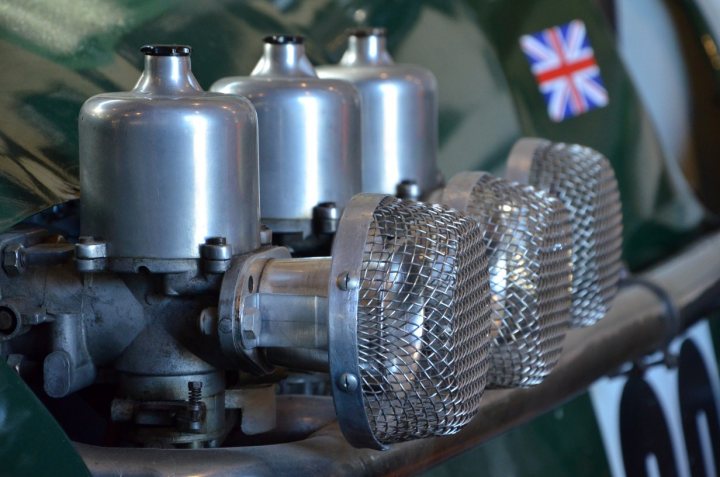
(31, 442)
(55, 54)
(564, 442)
(658, 206)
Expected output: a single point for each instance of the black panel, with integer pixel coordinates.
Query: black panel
(644, 430)
(696, 396)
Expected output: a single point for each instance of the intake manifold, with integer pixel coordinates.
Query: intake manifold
(402, 308)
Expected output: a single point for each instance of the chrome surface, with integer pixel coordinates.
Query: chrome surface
(292, 306)
(584, 181)
(297, 276)
(269, 300)
(309, 135)
(166, 165)
(238, 286)
(528, 236)
(399, 114)
(635, 326)
(409, 358)
(285, 321)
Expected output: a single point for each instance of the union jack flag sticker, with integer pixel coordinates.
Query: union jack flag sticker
(563, 63)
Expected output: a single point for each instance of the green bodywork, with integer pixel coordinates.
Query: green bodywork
(31, 442)
(564, 442)
(54, 54)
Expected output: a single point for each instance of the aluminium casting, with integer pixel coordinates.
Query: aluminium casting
(166, 166)
(309, 135)
(399, 114)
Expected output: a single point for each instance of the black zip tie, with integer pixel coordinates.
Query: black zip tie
(671, 315)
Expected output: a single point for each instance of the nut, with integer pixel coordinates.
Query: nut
(89, 249)
(250, 325)
(265, 235)
(14, 259)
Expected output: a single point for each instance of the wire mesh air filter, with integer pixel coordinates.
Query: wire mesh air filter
(584, 181)
(528, 239)
(409, 320)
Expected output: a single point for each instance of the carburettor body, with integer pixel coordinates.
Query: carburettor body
(184, 335)
(166, 166)
(399, 114)
(170, 196)
(309, 135)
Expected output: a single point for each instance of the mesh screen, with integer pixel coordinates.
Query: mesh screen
(584, 181)
(529, 239)
(423, 321)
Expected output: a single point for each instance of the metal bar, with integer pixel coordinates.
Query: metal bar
(634, 327)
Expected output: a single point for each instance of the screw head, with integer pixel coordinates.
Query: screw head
(348, 382)
(347, 281)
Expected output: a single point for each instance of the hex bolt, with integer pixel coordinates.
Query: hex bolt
(348, 382)
(265, 235)
(325, 218)
(250, 324)
(17, 362)
(216, 241)
(14, 259)
(325, 210)
(408, 189)
(216, 254)
(88, 248)
(347, 281)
